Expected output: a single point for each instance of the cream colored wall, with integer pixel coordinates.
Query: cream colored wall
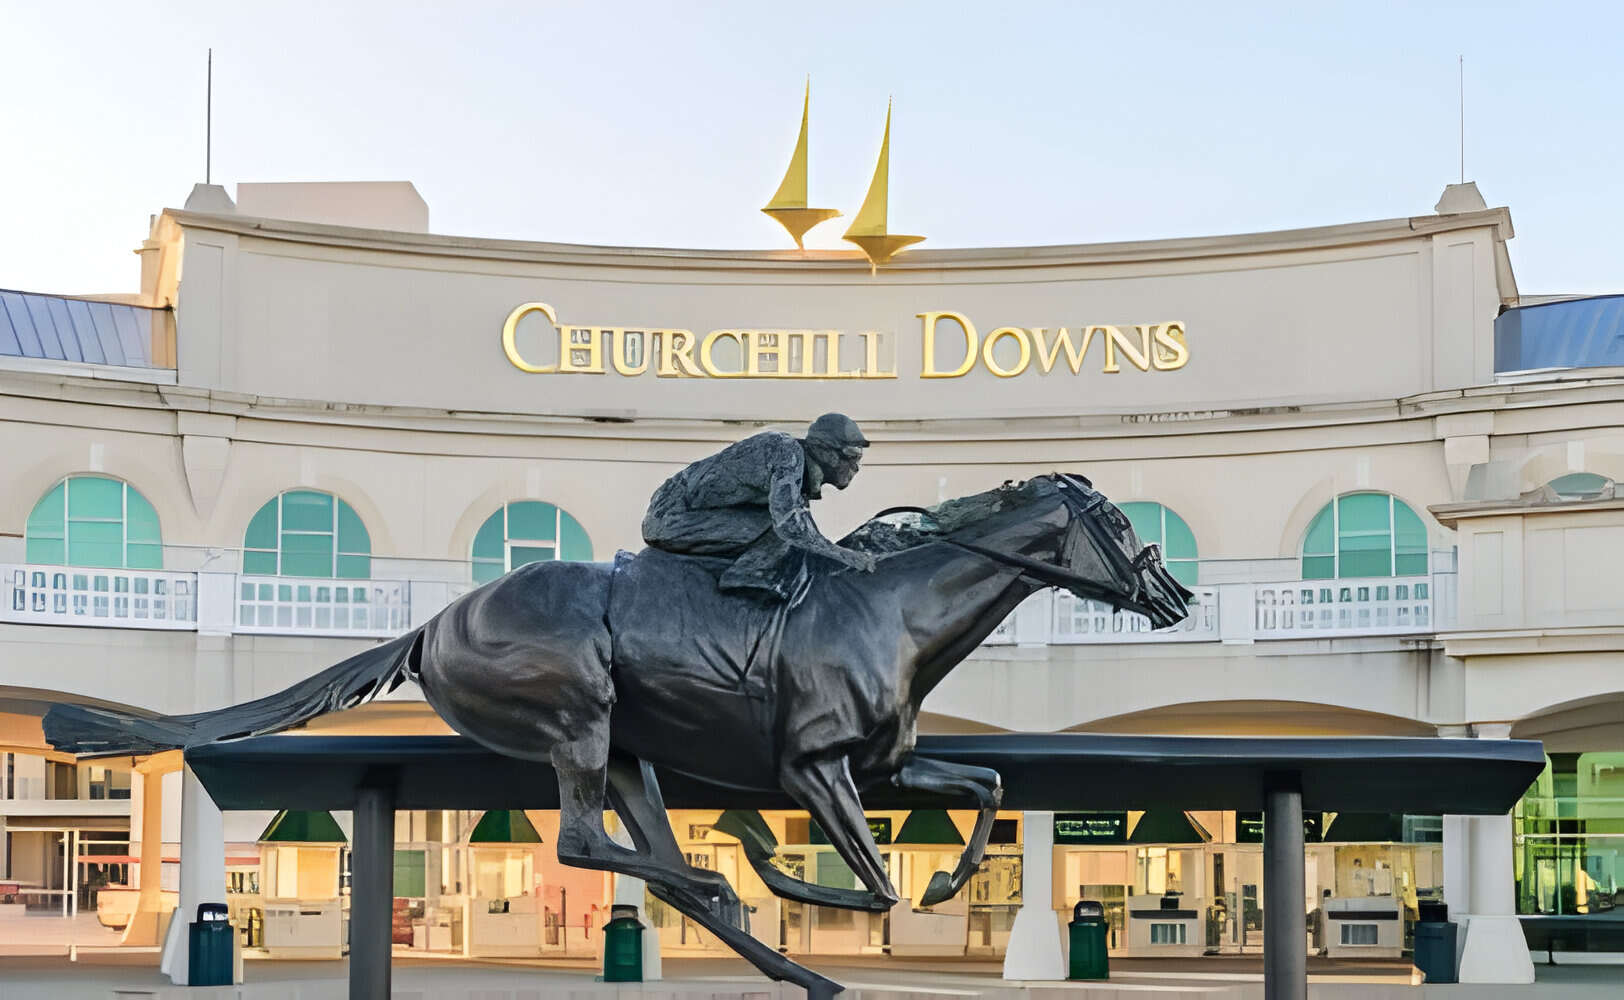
(1371, 311)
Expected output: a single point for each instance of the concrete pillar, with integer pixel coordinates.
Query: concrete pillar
(1285, 919)
(1034, 941)
(202, 870)
(1495, 950)
(372, 876)
(146, 821)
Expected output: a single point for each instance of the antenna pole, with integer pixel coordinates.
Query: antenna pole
(1462, 119)
(208, 122)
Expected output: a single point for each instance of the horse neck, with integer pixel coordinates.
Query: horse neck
(952, 599)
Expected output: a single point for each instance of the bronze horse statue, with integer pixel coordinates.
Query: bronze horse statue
(605, 671)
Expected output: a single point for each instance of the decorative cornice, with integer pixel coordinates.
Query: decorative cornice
(986, 258)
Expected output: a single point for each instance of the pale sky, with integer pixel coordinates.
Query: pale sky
(665, 124)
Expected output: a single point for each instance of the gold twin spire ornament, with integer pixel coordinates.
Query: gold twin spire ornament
(788, 206)
(868, 230)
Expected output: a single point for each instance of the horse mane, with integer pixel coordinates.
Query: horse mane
(881, 536)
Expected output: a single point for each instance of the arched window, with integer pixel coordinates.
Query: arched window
(1154, 523)
(527, 531)
(306, 533)
(94, 521)
(1365, 535)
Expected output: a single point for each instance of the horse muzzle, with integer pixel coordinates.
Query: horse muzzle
(1162, 599)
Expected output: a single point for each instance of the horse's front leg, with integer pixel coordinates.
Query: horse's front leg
(759, 844)
(925, 774)
(824, 788)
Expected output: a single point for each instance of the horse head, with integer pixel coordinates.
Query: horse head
(1100, 546)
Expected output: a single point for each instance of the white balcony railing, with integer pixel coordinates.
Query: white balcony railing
(281, 604)
(119, 598)
(1306, 608)
(1079, 621)
(1289, 609)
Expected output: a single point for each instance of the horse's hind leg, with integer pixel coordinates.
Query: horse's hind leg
(770, 962)
(634, 791)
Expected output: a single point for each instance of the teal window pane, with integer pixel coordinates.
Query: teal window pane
(355, 567)
(263, 529)
(1363, 512)
(352, 534)
(144, 556)
(1366, 562)
(303, 510)
(1319, 567)
(95, 497)
(1321, 537)
(532, 521)
(140, 520)
(486, 570)
(1185, 571)
(1180, 542)
(1146, 519)
(1409, 541)
(95, 543)
(525, 554)
(488, 543)
(575, 545)
(307, 555)
(48, 519)
(50, 551)
(259, 563)
(1411, 564)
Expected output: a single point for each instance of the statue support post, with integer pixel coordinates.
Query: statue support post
(372, 890)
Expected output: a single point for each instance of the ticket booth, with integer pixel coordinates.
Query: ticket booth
(301, 860)
(504, 911)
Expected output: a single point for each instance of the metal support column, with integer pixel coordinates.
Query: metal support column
(1285, 920)
(372, 876)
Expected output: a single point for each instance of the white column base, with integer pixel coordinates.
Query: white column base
(1034, 947)
(1495, 951)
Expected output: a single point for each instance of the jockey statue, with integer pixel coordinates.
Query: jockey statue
(749, 503)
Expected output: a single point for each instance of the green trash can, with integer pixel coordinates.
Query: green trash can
(1087, 934)
(623, 946)
(209, 951)
(1435, 942)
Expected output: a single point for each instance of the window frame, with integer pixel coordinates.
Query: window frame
(339, 504)
(67, 520)
(1335, 554)
(477, 563)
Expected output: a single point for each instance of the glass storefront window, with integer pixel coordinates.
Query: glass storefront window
(1569, 834)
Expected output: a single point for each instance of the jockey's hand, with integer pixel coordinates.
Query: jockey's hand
(861, 561)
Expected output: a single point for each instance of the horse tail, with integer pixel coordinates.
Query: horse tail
(82, 729)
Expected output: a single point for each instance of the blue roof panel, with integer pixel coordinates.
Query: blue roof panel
(56, 328)
(1577, 333)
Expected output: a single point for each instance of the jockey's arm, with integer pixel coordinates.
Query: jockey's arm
(792, 521)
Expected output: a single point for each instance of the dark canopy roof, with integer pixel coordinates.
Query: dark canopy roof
(1040, 771)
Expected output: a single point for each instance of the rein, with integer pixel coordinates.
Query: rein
(1036, 570)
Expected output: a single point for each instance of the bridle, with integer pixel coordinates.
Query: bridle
(1084, 502)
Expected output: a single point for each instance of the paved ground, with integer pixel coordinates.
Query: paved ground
(126, 976)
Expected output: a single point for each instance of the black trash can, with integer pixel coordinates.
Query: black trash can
(209, 960)
(1087, 935)
(1435, 942)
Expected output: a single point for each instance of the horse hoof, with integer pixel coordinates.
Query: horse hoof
(823, 989)
(940, 890)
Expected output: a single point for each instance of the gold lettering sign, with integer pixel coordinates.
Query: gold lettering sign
(951, 347)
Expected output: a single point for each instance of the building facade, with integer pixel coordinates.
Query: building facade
(300, 438)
